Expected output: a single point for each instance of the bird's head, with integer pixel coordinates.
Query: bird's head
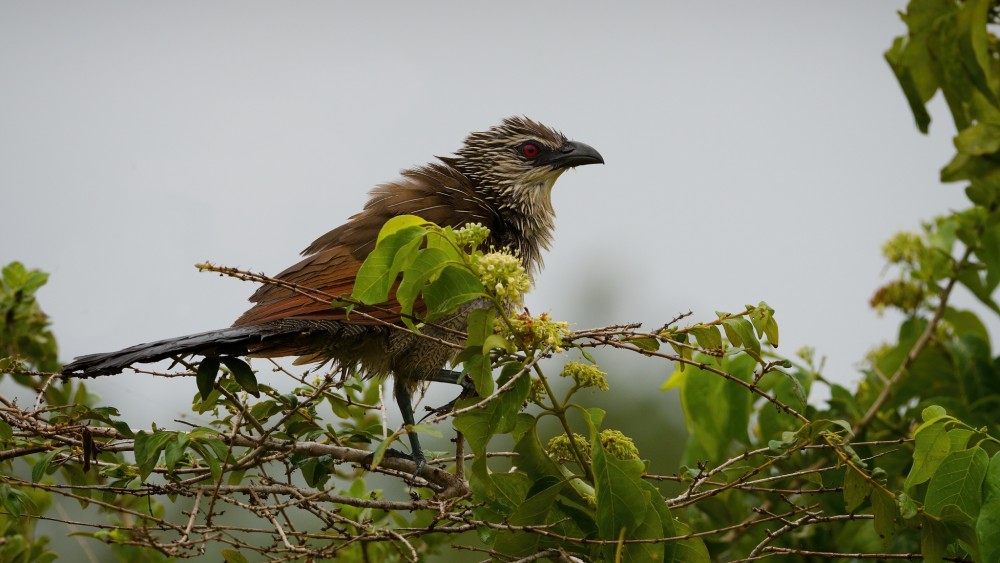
(514, 166)
(519, 154)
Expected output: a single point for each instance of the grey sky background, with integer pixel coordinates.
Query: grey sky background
(754, 151)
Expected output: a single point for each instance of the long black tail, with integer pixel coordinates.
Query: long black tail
(235, 341)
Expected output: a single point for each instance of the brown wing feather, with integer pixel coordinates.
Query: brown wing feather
(436, 192)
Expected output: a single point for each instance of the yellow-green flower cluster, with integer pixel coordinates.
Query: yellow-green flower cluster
(902, 294)
(613, 442)
(559, 447)
(471, 235)
(586, 375)
(535, 332)
(619, 445)
(903, 247)
(502, 273)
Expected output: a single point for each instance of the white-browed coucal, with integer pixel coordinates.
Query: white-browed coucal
(501, 178)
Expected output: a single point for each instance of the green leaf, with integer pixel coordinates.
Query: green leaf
(988, 522)
(210, 456)
(531, 455)
(651, 527)
(988, 251)
(886, 512)
(856, 488)
(147, 450)
(594, 418)
(533, 511)
(15, 501)
(932, 446)
(477, 363)
(715, 430)
(454, 286)
(174, 450)
(932, 413)
(933, 539)
(399, 223)
(709, 337)
(622, 501)
(908, 508)
(762, 317)
(645, 343)
(497, 416)
(6, 432)
(740, 332)
(691, 550)
(966, 322)
(959, 438)
(958, 481)
(979, 139)
(233, 556)
(391, 255)
(664, 528)
(425, 267)
(973, 44)
(974, 282)
(896, 57)
(41, 467)
(242, 373)
(208, 370)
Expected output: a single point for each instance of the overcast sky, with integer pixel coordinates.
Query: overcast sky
(755, 151)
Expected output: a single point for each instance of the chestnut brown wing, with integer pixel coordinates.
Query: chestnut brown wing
(321, 277)
(436, 192)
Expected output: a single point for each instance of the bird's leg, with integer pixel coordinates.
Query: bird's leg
(455, 378)
(404, 400)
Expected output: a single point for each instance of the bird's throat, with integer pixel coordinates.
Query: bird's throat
(535, 218)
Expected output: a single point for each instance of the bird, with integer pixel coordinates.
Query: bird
(500, 178)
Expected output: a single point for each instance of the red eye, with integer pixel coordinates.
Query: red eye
(529, 150)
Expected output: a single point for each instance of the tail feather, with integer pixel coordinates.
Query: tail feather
(227, 341)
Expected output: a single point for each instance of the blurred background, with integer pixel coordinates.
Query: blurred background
(755, 151)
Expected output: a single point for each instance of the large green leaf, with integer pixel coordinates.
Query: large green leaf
(958, 481)
(497, 416)
(932, 446)
(715, 430)
(665, 520)
(453, 287)
(622, 501)
(425, 267)
(242, 373)
(147, 450)
(691, 550)
(886, 513)
(740, 332)
(973, 43)
(856, 488)
(897, 56)
(475, 358)
(533, 511)
(708, 336)
(208, 370)
(391, 255)
(988, 522)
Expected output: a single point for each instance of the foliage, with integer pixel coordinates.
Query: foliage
(906, 465)
(24, 334)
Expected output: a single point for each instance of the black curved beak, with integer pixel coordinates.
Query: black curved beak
(572, 154)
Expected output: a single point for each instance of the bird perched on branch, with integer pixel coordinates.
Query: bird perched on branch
(501, 178)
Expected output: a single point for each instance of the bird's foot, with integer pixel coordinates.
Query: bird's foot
(418, 459)
(468, 390)
(443, 409)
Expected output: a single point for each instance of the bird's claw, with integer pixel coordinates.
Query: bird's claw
(419, 460)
